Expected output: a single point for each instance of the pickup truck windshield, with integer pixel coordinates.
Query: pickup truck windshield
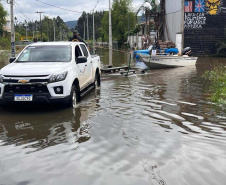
(46, 54)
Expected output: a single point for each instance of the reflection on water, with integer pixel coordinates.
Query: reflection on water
(153, 128)
(40, 127)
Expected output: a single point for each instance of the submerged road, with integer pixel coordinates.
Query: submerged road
(153, 128)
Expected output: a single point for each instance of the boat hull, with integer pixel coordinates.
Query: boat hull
(160, 62)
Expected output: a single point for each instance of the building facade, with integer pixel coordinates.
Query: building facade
(174, 20)
(202, 22)
(204, 25)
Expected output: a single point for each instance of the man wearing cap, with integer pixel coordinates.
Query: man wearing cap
(76, 38)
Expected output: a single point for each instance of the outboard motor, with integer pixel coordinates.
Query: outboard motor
(187, 51)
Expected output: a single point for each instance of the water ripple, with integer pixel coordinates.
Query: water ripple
(155, 128)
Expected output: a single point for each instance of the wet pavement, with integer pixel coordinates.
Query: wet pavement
(154, 128)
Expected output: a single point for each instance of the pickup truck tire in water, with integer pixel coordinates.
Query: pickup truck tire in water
(97, 80)
(73, 99)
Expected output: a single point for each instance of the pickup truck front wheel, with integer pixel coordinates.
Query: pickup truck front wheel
(73, 99)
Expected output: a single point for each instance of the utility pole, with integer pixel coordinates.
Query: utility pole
(48, 30)
(26, 28)
(93, 30)
(36, 29)
(87, 29)
(110, 35)
(40, 13)
(54, 30)
(33, 29)
(84, 33)
(12, 30)
(94, 27)
(60, 34)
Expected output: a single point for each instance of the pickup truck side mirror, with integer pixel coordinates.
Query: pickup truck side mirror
(81, 59)
(11, 59)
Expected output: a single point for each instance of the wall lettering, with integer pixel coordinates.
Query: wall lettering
(194, 20)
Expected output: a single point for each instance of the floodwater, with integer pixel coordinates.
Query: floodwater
(155, 128)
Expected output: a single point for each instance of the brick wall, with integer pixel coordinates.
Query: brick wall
(204, 25)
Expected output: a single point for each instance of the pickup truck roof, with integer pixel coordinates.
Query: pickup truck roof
(56, 43)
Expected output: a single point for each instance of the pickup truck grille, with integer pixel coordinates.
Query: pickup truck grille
(31, 80)
(26, 89)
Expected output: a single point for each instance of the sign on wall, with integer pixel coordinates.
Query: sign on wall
(213, 6)
(199, 6)
(188, 6)
(194, 20)
(196, 11)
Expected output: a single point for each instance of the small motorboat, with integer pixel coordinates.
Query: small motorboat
(137, 53)
(167, 60)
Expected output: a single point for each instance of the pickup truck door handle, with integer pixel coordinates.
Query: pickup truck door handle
(91, 62)
(86, 65)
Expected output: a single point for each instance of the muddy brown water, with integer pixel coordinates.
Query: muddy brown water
(153, 128)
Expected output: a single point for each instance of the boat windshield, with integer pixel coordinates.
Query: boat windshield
(46, 54)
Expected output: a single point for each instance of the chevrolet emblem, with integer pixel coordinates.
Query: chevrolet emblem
(23, 81)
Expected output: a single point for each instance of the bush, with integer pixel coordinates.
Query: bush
(17, 36)
(217, 77)
(5, 43)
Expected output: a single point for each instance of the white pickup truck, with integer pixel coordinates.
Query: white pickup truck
(50, 72)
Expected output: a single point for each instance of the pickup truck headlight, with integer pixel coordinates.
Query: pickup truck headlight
(58, 77)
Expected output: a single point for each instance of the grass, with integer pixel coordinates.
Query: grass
(217, 78)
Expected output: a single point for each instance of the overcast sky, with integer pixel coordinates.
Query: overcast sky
(68, 10)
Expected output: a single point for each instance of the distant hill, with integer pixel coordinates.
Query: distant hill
(141, 18)
(71, 24)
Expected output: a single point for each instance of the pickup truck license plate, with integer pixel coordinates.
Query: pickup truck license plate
(24, 97)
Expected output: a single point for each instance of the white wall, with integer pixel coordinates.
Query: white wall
(173, 19)
(135, 39)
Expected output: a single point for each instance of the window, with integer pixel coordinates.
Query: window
(84, 50)
(77, 52)
(46, 54)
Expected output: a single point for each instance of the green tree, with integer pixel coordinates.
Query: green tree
(123, 20)
(97, 23)
(61, 29)
(149, 7)
(3, 14)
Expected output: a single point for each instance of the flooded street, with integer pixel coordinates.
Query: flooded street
(154, 128)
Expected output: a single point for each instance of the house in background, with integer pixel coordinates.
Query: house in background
(139, 38)
(7, 27)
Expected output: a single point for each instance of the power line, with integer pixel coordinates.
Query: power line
(40, 13)
(21, 11)
(33, 8)
(26, 7)
(58, 7)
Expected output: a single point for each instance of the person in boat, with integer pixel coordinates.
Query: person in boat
(76, 38)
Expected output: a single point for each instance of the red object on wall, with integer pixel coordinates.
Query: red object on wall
(188, 6)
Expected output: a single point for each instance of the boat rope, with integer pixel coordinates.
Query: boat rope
(129, 64)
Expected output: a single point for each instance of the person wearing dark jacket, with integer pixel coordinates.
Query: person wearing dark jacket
(76, 38)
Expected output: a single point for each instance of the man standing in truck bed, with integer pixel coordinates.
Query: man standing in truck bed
(76, 38)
